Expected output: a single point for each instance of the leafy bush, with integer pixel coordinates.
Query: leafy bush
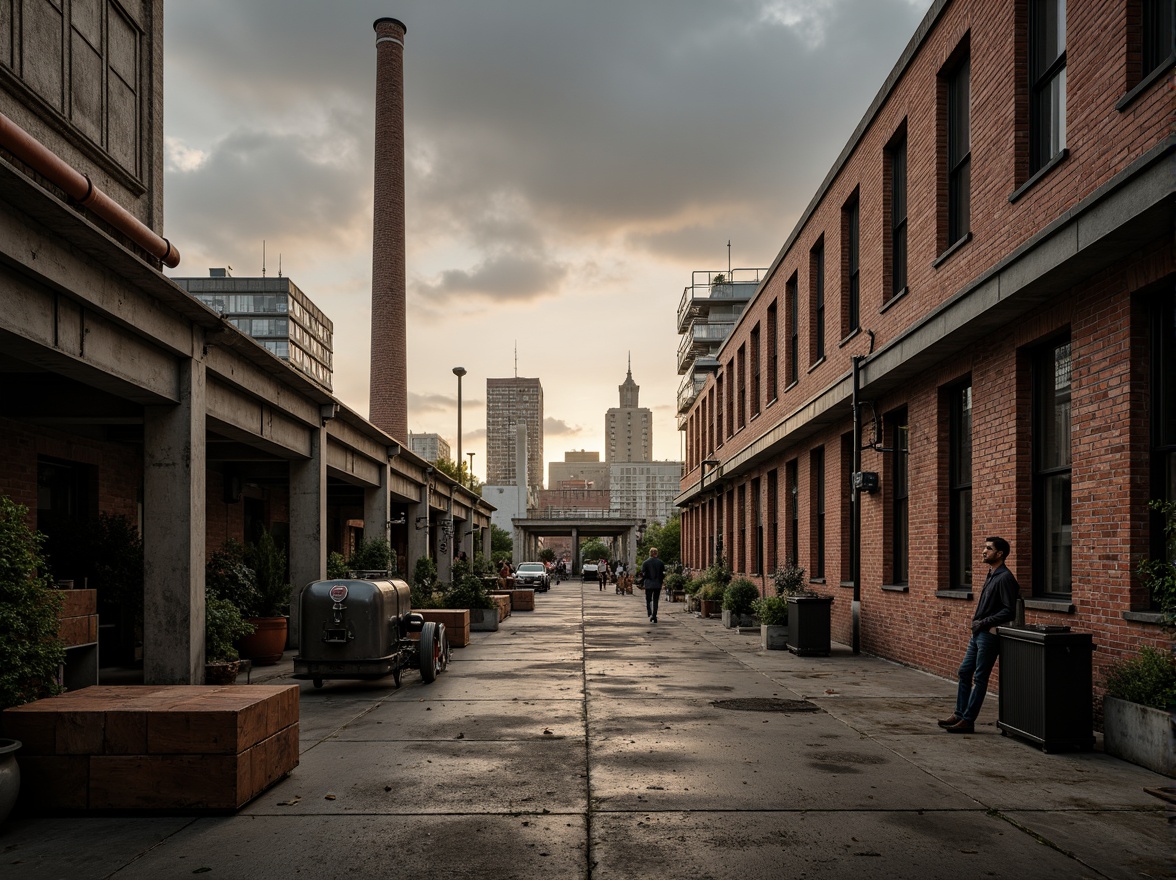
(336, 566)
(694, 585)
(373, 554)
(719, 573)
(424, 581)
(223, 626)
(789, 581)
(30, 650)
(771, 610)
(1148, 678)
(739, 596)
(711, 591)
(467, 589)
(270, 596)
(1159, 575)
(228, 576)
(675, 581)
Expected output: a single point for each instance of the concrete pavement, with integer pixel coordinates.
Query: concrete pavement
(581, 741)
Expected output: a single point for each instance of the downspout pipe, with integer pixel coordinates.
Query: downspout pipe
(855, 535)
(82, 191)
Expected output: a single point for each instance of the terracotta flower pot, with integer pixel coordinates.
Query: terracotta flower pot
(221, 672)
(267, 641)
(9, 776)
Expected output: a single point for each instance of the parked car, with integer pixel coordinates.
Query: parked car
(590, 570)
(534, 575)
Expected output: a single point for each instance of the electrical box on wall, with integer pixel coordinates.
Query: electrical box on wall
(865, 481)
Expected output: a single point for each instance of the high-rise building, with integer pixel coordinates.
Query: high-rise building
(628, 428)
(644, 488)
(510, 402)
(275, 313)
(583, 466)
(430, 447)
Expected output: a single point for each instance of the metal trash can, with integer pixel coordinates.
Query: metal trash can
(1046, 691)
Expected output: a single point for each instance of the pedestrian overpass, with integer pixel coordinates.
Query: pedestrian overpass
(577, 524)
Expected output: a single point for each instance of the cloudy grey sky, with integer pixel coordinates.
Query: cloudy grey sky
(569, 164)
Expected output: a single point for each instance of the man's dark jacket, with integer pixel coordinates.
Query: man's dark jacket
(998, 600)
(653, 572)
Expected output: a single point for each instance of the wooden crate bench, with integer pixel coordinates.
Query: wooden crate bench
(521, 599)
(457, 623)
(502, 600)
(154, 747)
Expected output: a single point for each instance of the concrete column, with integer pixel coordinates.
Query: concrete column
(575, 551)
(174, 519)
(518, 545)
(377, 509)
(308, 523)
(418, 536)
(446, 536)
(487, 545)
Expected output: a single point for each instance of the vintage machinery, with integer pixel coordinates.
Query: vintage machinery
(360, 626)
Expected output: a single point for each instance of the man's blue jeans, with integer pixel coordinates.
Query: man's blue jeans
(981, 656)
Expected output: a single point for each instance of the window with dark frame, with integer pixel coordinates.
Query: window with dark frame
(1162, 320)
(846, 499)
(732, 387)
(731, 513)
(719, 436)
(710, 422)
(741, 513)
(757, 527)
(898, 213)
(792, 512)
(755, 370)
(899, 498)
(851, 245)
(817, 506)
(960, 486)
(773, 353)
(959, 152)
(793, 292)
(770, 545)
(1052, 572)
(741, 379)
(1047, 81)
(1158, 33)
(817, 300)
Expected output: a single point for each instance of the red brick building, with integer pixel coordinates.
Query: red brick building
(994, 248)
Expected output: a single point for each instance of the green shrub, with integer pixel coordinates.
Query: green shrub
(719, 573)
(373, 554)
(789, 581)
(711, 591)
(739, 596)
(271, 594)
(223, 626)
(336, 566)
(467, 589)
(1159, 575)
(424, 581)
(771, 610)
(675, 581)
(1148, 678)
(228, 576)
(30, 649)
(694, 585)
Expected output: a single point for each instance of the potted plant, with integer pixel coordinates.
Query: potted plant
(223, 626)
(31, 651)
(809, 613)
(710, 599)
(266, 604)
(468, 591)
(675, 583)
(772, 612)
(738, 599)
(1141, 690)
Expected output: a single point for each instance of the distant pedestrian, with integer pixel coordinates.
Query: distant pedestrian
(602, 572)
(653, 572)
(997, 605)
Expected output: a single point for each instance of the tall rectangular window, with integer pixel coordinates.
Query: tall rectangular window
(732, 388)
(755, 370)
(792, 512)
(771, 560)
(718, 409)
(817, 507)
(1163, 415)
(1051, 470)
(710, 422)
(959, 152)
(897, 227)
(741, 513)
(741, 378)
(817, 301)
(731, 513)
(757, 527)
(793, 293)
(850, 266)
(846, 499)
(1047, 81)
(896, 425)
(1159, 34)
(959, 486)
(773, 353)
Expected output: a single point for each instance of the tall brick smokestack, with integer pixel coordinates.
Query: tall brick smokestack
(388, 398)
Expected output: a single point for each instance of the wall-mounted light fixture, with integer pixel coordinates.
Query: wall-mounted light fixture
(328, 411)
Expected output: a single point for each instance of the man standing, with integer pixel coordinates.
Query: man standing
(653, 572)
(997, 605)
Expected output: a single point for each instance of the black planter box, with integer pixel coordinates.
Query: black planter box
(1045, 686)
(808, 624)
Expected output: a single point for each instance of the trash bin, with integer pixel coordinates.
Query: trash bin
(1046, 686)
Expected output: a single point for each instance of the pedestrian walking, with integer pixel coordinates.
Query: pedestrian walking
(997, 605)
(653, 572)
(602, 573)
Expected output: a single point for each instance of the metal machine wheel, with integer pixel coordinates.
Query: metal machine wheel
(396, 672)
(318, 682)
(434, 651)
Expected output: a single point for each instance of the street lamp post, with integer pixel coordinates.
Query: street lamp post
(459, 372)
(471, 455)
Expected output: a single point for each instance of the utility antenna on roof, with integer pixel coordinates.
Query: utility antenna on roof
(728, 259)
(516, 375)
(279, 264)
(263, 258)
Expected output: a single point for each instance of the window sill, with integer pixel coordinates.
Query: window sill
(1041, 172)
(1144, 617)
(886, 305)
(791, 385)
(953, 594)
(942, 258)
(896, 588)
(1159, 73)
(855, 332)
(817, 581)
(816, 364)
(1060, 606)
(847, 584)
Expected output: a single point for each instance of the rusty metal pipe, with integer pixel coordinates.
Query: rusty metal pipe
(82, 191)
